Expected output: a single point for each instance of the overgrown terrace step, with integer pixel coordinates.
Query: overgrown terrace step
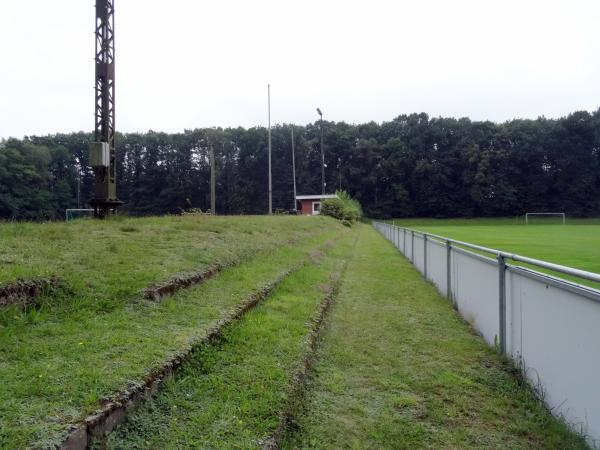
(104, 265)
(239, 392)
(115, 410)
(163, 289)
(26, 293)
(297, 384)
(60, 369)
(158, 291)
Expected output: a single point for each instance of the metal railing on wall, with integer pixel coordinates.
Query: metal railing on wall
(548, 325)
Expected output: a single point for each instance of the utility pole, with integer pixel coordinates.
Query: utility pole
(340, 172)
(213, 180)
(322, 155)
(78, 167)
(78, 188)
(102, 151)
(270, 177)
(294, 167)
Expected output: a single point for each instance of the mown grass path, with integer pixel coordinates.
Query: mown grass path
(56, 370)
(399, 369)
(232, 394)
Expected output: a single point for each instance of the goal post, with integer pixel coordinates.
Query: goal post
(76, 213)
(562, 215)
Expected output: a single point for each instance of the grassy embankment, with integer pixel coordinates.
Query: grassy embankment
(398, 368)
(232, 394)
(58, 362)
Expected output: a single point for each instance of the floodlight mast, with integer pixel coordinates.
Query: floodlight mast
(102, 151)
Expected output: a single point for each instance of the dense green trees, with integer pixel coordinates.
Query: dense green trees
(411, 166)
(35, 182)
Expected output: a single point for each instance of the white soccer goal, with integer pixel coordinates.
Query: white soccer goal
(562, 215)
(71, 214)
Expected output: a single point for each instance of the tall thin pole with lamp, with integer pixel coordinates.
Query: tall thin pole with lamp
(213, 180)
(270, 177)
(294, 167)
(340, 172)
(322, 155)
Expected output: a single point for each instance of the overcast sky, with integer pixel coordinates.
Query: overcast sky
(190, 63)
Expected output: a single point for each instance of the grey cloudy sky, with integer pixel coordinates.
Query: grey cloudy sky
(190, 63)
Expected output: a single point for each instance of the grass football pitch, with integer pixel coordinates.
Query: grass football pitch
(576, 244)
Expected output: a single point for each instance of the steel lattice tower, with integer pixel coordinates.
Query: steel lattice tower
(102, 151)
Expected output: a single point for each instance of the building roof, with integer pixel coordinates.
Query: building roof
(315, 197)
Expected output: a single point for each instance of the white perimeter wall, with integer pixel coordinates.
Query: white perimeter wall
(552, 325)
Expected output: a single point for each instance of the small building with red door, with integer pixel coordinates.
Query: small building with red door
(310, 205)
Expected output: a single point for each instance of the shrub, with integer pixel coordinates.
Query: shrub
(343, 208)
(333, 207)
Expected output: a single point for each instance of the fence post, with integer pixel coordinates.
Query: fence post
(412, 247)
(502, 302)
(425, 256)
(449, 271)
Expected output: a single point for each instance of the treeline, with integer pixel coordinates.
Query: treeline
(413, 165)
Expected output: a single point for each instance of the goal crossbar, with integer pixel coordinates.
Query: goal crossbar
(563, 215)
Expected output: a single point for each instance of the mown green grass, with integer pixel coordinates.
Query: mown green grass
(56, 364)
(576, 244)
(231, 394)
(398, 368)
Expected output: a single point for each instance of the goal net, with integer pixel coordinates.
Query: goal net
(561, 217)
(71, 214)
